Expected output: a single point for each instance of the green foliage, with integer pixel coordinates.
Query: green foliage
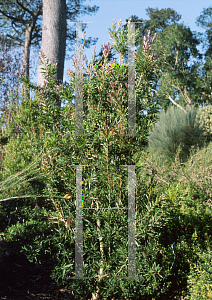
(205, 120)
(204, 21)
(22, 179)
(177, 73)
(200, 277)
(174, 129)
(176, 45)
(39, 179)
(189, 224)
(47, 205)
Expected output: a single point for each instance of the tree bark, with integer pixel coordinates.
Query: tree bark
(25, 58)
(53, 37)
(27, 45)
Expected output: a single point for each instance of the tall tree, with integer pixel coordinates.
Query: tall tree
(53, 36)
(205, 21)
(21, 21)
(175, 46)
(9, 69)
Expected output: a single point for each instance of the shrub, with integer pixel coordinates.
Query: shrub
(189, 224)
(175, 129)
(200, 277)
(205, 120)
(103, 152)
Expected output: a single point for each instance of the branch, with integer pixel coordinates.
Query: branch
(12, 18)
(24, 8)
(122, 267)
(15, 39)
(26, 196)
(38, 11)
(161, 179)
(176, 104)
(172, 101)
(37, 35)
(95, 295)
(176, 58)
(100, 240)
(186, 98)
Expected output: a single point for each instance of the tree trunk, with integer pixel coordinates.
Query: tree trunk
(53, 37)
(25, 59)
(27, 46)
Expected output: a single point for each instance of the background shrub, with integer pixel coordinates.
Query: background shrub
(205, 120)
(200, 277)
(188, 186)
(175, 129)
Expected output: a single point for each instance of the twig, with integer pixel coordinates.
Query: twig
(177, 104)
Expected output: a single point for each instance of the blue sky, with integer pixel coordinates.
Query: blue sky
(123, 9)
